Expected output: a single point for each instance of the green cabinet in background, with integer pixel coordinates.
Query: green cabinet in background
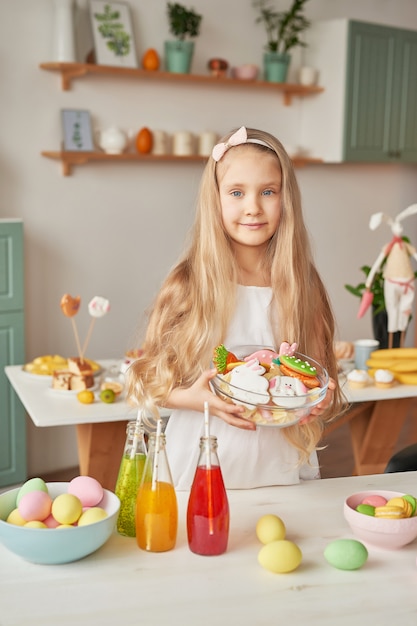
(12, 352)
(381, 94)
(368, 109)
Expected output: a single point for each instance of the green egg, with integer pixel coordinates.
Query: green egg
(33, 484)
(347, 554)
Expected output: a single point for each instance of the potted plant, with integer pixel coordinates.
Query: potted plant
(283, 30)
(184, 24)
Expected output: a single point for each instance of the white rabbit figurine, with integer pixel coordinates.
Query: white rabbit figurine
(397, 273)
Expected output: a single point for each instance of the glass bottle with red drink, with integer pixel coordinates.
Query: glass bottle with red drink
(208, 506)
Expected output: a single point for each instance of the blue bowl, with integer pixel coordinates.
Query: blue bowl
(53, 546)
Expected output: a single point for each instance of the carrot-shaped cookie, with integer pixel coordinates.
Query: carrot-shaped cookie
(222, 358)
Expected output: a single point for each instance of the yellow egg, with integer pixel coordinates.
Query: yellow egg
(90, 516)
(15, 518)
(270, 528)
(280, 557)
(66, 508)
(35, 524)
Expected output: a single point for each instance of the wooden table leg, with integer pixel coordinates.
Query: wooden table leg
(375, 433)
(100, 449)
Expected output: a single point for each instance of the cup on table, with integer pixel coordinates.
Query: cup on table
(363, 350)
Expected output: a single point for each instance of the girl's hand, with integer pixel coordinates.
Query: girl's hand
(194, 397)
(323, 405)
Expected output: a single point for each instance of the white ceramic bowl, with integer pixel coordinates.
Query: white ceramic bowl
(245, 72)
(279, 411)
(51, 545)
(389, 534)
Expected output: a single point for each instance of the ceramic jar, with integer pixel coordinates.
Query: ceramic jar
(183, 143)
(112, 140)
(206, 142)
(63, 46)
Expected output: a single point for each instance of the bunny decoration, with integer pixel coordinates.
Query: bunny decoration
(397, 273)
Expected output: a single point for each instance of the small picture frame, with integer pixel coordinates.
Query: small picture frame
(114, 43)
(77, 131)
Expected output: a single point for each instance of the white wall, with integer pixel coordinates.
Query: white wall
(114, 230)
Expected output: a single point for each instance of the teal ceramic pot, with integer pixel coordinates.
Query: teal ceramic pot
(178, 56)
(276, 66)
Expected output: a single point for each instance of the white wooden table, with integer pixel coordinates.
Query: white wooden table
(375, 419)
(120, 584)
(101, 427)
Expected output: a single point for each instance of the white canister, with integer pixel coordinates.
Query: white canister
(183, 143)
(160, 142)
(206, 142)
(308, 76)
(63, 48)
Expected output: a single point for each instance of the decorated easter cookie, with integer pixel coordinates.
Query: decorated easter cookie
(293, 366)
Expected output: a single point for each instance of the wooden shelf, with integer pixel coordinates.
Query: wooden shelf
(70, 159)
(72, 71)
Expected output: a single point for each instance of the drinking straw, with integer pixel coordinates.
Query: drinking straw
(208, 467)
(207, 434)
(156, 457)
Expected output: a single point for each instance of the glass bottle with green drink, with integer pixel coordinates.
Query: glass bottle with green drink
(130, 476)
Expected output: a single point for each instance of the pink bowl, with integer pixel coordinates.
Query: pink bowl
(390, 534)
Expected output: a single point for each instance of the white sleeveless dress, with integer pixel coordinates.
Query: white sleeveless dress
(248, 459)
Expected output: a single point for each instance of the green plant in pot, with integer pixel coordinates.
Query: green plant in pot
(284, 31)
(184, 24)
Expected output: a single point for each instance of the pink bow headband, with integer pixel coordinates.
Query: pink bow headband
(239, 137)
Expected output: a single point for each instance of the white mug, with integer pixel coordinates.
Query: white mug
(160, 142)
(183, 143)
(206, 142)
(308, 76)
(363, 350)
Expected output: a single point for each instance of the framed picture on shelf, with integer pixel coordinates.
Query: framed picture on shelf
(113, 35)
(76, 126)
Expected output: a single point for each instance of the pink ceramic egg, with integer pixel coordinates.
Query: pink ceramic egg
(35, 505)
(87, 489)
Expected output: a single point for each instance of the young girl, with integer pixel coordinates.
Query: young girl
(246, 278)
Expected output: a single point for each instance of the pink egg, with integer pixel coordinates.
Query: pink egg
(87, 489)
(35, 505)
(375, 500)
(50, 522)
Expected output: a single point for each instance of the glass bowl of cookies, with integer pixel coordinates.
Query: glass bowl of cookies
(276, 389)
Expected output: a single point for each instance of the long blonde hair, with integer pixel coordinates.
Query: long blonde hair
(195, 305)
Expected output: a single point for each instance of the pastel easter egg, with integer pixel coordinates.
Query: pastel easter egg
(270, 528)
(15, 518)
(346, 554)
(35, 524)
(90, 516)
(280, 557)
(66, 508)
(50, 521)
(33, 484)
(87, 489)
(35, 505)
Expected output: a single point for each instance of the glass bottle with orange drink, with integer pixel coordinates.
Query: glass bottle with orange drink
(156, 503)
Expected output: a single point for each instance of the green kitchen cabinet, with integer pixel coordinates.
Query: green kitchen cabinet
(368, 111)
(12, 352)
